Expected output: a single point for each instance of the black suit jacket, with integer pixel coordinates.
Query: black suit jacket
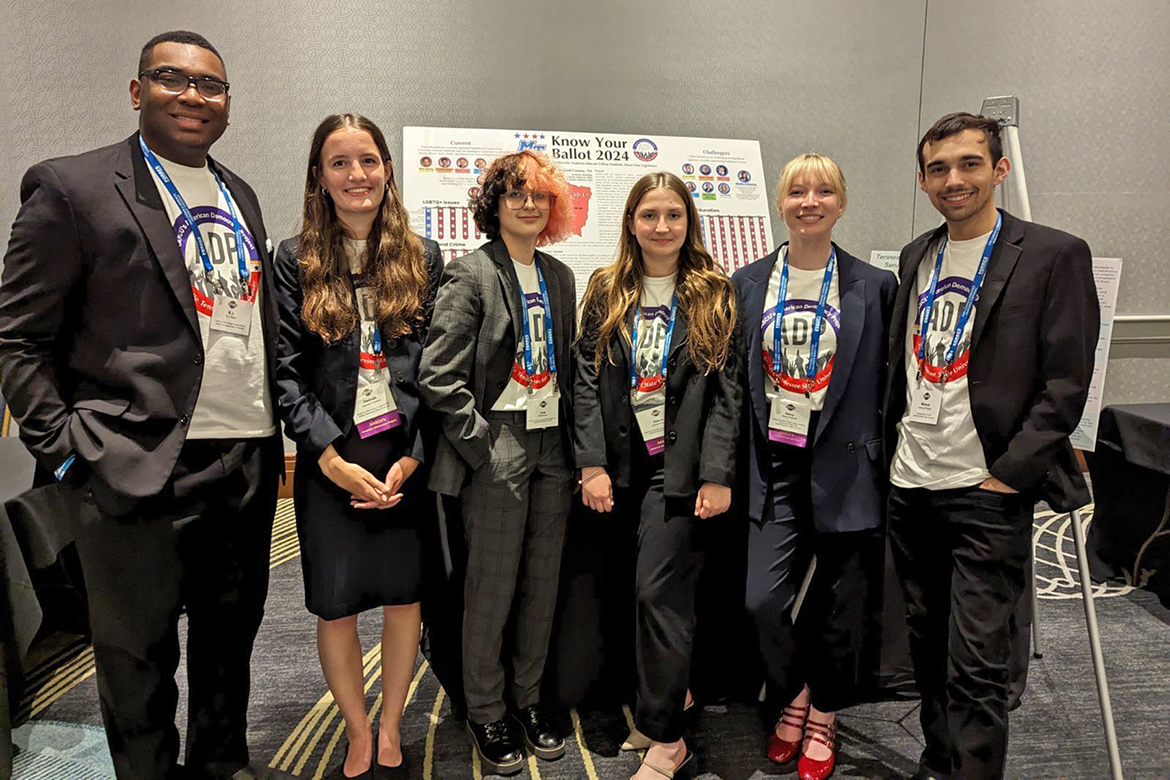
(702, 412)
(318, 381)
(1035, 333)
(100, 352)
(471, 349)
(848, 475)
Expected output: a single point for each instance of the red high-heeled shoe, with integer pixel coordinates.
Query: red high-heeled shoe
(826, 734)
(781, 751)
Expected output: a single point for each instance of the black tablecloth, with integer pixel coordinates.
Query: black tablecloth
(1131, 487)
(18, 604)
(38, 587)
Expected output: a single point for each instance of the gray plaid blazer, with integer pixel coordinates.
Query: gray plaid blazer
(471, 348)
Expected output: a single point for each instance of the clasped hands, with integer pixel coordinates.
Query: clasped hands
(597, 494)
(367, 491)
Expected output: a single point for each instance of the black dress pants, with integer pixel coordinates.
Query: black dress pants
(961, 555)
(669, 562)
(821, 649)
(201, 545)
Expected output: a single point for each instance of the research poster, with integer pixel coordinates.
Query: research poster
(441, 168)
(1107, 275)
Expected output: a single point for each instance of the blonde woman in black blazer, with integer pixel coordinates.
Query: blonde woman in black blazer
(657, 415)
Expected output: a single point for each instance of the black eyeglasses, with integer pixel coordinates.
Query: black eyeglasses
(176, 83)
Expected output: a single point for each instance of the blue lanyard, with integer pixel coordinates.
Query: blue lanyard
(964, 315)
(818, 319)
(665, 344)
(241, 256)
(550, 340)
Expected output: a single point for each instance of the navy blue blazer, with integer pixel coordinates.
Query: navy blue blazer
(318, 381)
(848, 475)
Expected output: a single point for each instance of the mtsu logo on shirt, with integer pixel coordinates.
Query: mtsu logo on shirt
(796, 338)
(948, 305)
(215, 224)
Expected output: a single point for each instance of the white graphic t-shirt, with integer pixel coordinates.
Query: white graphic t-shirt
(371, 366)
(800, 309)
(515, 396)
(947, 454)
(653, 322)
(233, 399)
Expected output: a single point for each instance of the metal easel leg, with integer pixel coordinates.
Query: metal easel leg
(1095, 647)
(1037, 651)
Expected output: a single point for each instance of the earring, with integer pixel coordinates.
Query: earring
(325, 192)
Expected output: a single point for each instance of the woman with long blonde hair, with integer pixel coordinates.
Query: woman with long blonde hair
(657, 416)
(355, 292)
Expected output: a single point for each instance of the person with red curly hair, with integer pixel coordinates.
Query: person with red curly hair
(497, 370)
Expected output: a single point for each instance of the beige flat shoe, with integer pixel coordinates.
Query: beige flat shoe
(669, 772)
(636, 741)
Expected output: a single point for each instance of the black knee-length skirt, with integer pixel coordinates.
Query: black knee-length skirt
(359, 559)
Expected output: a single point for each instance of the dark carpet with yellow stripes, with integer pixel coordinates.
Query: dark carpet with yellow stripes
(295, 726)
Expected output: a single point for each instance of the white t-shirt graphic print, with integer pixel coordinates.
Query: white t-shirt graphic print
(800, 309)
(947, 454)
(233, 401)
(515, 397)
(653, 322)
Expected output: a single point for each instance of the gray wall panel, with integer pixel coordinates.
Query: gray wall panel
(1093, 81)
(841, 76)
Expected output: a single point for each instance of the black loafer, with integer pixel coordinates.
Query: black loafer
(542, 737)
(498, 749)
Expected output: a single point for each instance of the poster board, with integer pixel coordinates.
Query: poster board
(1107, 275)
(441, 167)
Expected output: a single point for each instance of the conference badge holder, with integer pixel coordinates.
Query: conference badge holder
(231, 315)
(375, 410)
(789, 420)
(542, 411)
(926, 402)
(652, 423)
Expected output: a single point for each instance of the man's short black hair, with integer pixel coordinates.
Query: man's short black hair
(957, 122)
(174, 36)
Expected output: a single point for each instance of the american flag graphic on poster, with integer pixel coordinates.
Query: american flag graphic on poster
(443, 170)
(735, 241)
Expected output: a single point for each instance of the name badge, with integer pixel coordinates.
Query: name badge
(652, 423)
(542, 411)
(231, 315)
(926, 403)
(788, 420)
(375, 410)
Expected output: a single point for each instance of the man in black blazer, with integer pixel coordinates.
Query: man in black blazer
(139, 360)
(977, 425)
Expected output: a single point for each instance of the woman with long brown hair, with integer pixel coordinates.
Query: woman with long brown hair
(355, 291)
(656, 418)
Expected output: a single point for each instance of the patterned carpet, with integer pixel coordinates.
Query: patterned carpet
(294, 724)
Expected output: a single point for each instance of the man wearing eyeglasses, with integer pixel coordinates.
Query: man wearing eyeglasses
(138, 333)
